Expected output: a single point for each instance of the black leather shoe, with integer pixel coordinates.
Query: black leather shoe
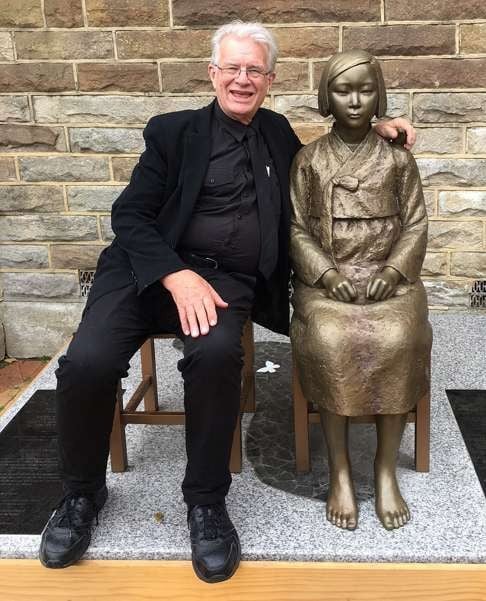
(215, 544)
(68, 532)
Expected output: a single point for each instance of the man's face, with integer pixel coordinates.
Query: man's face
(240, 95)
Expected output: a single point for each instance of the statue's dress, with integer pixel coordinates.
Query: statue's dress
(358, 211)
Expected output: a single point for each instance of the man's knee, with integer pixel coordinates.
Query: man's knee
(220, 349)
(89, 364)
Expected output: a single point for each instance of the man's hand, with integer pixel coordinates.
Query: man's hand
(338, 287)
(391, 128)
(383, 284)
(196, 301)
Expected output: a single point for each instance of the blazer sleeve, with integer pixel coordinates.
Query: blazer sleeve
(309, 261)
(134, 213)
(408, 252)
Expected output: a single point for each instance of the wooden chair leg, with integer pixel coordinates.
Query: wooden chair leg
(236, 449)
(118, 443)
(149, 369)
(422, 434)
(248, 373)
(301, 424)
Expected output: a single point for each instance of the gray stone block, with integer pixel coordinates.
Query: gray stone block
(303, 107)
(50, 286)
(455, 234)
(45, 199)
(25, 257)
(14, 108)
(435, 264)
(468, 203)
(439, 140)
(110, 109)
(476, 139)
(92, 198)
(35, 228)
(62, 169)
(298, 107)
(67, 45)
(447, 293)
(37, 329)
(106, 139)
(6, 46)
(452, 172)
(429, 197)
(106, 231)
(469, 265)
(453, 107)
(398, 105)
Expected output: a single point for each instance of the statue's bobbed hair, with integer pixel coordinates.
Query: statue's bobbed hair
(341, 62)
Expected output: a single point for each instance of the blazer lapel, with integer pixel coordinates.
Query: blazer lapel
(197, 150)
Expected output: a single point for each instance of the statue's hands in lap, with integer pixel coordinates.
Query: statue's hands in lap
(383, 284)
(196, 301)
(339, 287)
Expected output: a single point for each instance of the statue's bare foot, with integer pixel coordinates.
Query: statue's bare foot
(391, 507)
(341, 508)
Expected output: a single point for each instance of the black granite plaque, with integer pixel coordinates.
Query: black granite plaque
(469, 408)
(29, 479)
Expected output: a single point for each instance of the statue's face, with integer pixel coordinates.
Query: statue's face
(353, 97)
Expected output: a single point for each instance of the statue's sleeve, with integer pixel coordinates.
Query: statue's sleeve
(309, 260)
(407, 255)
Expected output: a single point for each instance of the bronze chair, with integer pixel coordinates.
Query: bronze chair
(305, 413)
(153, 414)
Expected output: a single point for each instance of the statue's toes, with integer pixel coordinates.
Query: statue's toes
(387, 521)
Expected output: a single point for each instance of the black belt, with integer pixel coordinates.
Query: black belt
(198, 261)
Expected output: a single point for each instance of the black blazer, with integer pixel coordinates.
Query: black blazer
(152, 212)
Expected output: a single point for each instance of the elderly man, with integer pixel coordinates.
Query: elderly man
(201, 245)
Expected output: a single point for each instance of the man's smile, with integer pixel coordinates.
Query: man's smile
(241, 94)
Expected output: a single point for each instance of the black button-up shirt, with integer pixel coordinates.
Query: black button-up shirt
(225, 223)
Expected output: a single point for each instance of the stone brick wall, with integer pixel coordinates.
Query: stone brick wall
(80, 78)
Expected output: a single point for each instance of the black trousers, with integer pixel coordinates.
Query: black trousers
(113, 327)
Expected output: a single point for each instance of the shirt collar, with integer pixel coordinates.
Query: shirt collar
(237, 129)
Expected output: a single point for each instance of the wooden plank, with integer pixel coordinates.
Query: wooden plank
(118, 440)
(164, 418)
(138, 395)
(149, 370)
(27, 580)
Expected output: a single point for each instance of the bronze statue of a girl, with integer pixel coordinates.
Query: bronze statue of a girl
(360, 330)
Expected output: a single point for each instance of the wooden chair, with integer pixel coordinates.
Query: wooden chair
(305, 413)
(153, 414)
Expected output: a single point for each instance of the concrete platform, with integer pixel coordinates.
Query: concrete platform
(280, 516)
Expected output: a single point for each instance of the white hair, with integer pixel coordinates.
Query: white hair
(240, 29)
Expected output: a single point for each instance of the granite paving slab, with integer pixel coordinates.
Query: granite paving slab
(281, 515)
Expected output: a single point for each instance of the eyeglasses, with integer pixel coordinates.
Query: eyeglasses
(233, 72)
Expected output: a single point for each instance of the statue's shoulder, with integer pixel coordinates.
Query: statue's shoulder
(402, 157)
(308, 152)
